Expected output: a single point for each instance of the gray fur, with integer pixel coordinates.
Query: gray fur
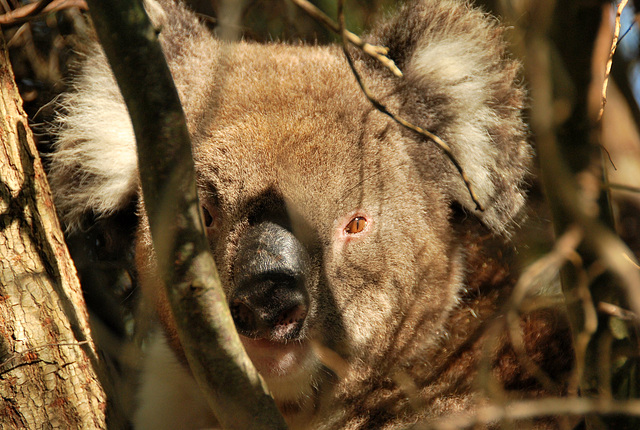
(449, 52)
(288, 125)
(454, 56)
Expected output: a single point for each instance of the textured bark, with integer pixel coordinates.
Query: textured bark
(48, 363)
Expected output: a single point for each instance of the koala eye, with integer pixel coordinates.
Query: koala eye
(208, 219)
(211, 218)
(356, 225)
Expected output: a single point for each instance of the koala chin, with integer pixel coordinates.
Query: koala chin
(358, 271)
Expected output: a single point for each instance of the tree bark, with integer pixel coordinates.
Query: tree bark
(48, 363)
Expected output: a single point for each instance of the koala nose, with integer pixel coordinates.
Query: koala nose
(270, 301)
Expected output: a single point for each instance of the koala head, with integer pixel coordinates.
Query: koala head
(330, 223)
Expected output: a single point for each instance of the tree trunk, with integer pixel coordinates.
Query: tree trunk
(48, 363)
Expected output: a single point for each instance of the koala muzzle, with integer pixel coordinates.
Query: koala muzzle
(270, 300)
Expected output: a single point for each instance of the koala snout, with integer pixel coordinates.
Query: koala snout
(270, 300)
(271, 310)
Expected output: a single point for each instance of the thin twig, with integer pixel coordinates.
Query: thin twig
(38, 9)
(530, 409)
(382, 108)
(377, 52)
(614, 45)
(606, 151)
(612, 250)
(589, 324)
(623, 187)
(617, 311)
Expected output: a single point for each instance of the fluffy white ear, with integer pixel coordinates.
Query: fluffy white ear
(94, 166)
(461, 84)
(93, 169)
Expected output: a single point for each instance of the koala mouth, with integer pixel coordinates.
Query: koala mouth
(289, 368)
(273, 340)
(277, 359)
(273, 335)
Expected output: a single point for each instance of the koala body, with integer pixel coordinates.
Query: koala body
(357, 269)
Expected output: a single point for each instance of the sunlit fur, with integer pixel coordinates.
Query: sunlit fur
(399, 301)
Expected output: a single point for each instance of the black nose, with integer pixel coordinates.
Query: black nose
(270, 300)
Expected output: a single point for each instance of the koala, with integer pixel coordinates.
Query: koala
(359, 272)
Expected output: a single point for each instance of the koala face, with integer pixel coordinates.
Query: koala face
(329, 194)
(322, 227)
(332, 226)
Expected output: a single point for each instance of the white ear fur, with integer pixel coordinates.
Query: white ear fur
(463, 68)
(94, 166)
(455, 57)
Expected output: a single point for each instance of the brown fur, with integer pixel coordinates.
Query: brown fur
(280, 129)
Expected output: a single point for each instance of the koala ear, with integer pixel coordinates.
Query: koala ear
(460, 84)
(93, 169)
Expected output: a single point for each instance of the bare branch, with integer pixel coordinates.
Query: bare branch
(564, 250)
(229, 381)
(377, 52)
(617, 311)
(528, 409)
(614, 45)
(623, 187)
(572, 204)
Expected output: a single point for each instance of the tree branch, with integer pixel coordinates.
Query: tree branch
(614, 45)
(37, 9)
(377, 52)
(234, 389)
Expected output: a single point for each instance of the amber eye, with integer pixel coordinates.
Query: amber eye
(356, 225)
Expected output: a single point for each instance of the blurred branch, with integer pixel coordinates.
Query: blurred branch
(527, 409)
(624, 187)
(630, 260)
(234, 389)
(38, 9)
(617, 311)
(571, 172)
(565, 249)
